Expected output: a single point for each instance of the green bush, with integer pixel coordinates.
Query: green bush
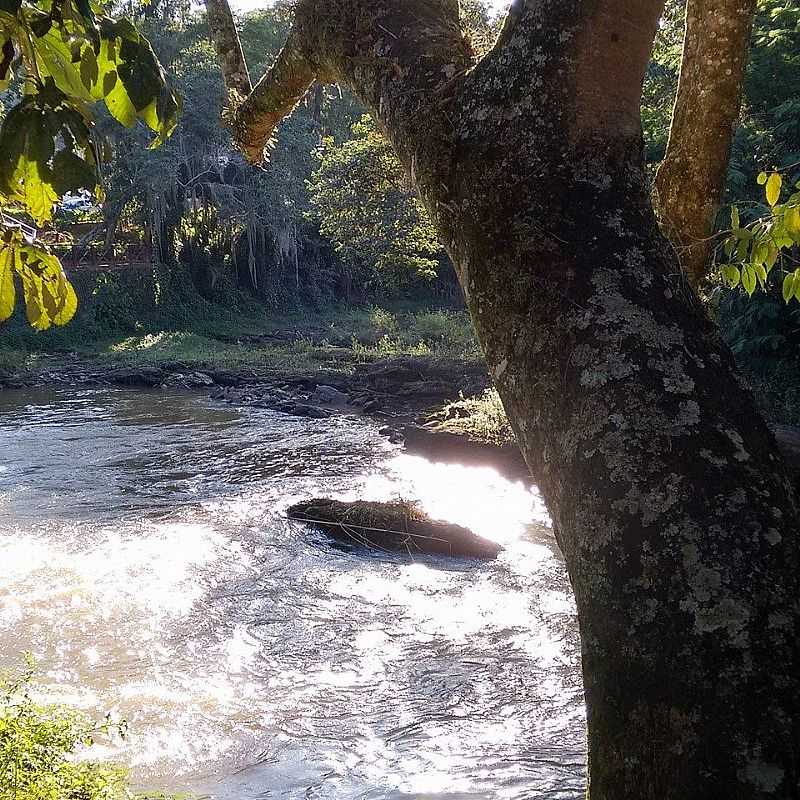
(41, 748)
(383, 322)
(447, 331)
(481, 418)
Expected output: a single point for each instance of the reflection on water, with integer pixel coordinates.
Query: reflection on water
(148, 564)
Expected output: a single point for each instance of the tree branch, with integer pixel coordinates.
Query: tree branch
(577, 46)
(228, 47)
(613, 52)
(691, 179)
(272, 98)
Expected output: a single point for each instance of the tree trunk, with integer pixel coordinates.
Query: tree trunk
(670, 501)
(691, 179)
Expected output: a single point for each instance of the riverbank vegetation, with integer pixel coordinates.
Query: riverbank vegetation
(44, 748)
(199, 245)
(329, 244)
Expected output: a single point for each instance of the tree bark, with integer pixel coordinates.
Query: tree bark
(669, 498)
(691, 180)
(229, 48)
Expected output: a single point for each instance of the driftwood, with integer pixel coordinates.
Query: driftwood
(396, 527)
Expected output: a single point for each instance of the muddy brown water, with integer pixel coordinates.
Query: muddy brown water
(146, 561)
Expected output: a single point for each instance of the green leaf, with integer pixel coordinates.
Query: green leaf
(773, 190)
(759, 254)
(40, 195)
(89, 70)
(772, 257)
(731, 275)
(761, 274)
(729, 246)
(26, 147)
(120, 106)
(49, 297)
(56, 57)
(742, 249)
(749, 280)
(792, 220)
(788, 287)
(734, 218)
(7, 291)
(762, 178)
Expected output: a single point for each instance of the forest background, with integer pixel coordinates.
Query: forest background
(328, 242)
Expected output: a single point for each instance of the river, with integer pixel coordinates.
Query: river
(148, 565)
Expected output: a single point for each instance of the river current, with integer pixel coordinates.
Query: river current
(146, 562)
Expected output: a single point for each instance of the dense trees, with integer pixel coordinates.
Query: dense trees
(223, 233)
(365, 207)
(670, 501)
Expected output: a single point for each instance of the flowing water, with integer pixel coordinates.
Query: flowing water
(146, 561)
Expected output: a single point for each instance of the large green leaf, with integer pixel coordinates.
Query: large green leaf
(50, 298)
(56, 60)
(7, 291)
(26, 147)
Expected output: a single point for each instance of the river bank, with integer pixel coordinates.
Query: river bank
(435, 400)
(440, 406)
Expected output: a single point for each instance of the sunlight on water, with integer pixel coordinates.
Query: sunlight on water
(251, 658)
(477, 497)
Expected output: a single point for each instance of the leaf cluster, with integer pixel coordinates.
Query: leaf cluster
(754, 249)
(38, 745)
(65, 56)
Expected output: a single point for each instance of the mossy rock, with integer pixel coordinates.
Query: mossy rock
(395, 527)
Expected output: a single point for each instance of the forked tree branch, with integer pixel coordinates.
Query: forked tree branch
(602, 49)
(273, 98)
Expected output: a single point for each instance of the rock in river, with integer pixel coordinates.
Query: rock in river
(398, 526)
(329, 395)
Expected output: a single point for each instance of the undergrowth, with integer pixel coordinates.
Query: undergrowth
(481, 418)
(43, 749)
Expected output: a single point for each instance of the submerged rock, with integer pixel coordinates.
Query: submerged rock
(398, 527)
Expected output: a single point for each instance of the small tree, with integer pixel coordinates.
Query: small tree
(368, 211)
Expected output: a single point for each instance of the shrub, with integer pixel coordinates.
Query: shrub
(383, 322)
(41, 746)
(482, 418)
(443, 330)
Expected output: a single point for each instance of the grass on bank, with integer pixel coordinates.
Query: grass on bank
(482, 419)
(334, 339)
(42, 749)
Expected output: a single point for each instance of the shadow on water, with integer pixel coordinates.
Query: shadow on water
(151, 568)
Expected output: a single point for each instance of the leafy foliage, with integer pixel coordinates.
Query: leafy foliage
(365, 207)
(755, 249)
(38, 745)
(65, 56)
